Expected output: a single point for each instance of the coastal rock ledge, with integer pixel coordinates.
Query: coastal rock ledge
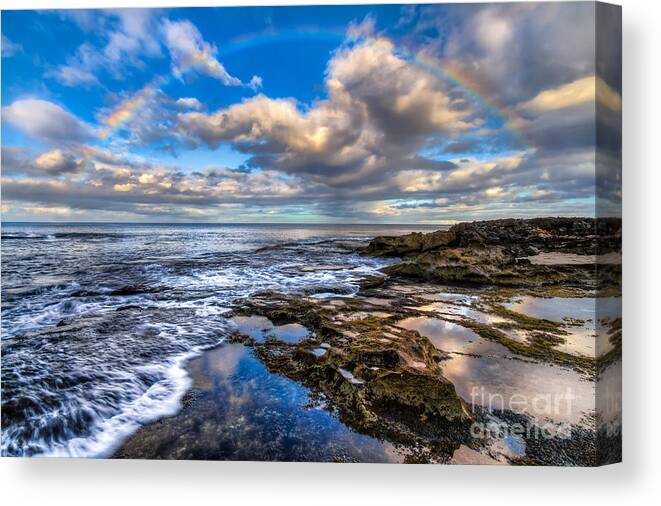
(502, 253)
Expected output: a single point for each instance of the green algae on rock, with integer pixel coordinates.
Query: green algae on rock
(382, 380)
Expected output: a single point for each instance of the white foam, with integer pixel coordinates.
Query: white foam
(162, 399)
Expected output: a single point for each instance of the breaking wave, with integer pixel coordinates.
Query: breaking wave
(97, 326)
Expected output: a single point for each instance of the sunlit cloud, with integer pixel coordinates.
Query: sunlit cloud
(389, 123)
(46, 121)
(188, 49)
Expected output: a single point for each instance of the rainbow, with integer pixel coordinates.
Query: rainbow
(456, 75)
(309, 33)
(446, 71)
(126, 109)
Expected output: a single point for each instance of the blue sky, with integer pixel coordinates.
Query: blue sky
(402, 114)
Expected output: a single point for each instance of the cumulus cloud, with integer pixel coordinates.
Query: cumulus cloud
(131, 35)
(79, 68)
(46, 121)
(493, 31)
(391, 138)
(380, 111)
(189, 50)
(110, 182)
(567, 95)
(362, 30)
(145, 118)
(469, 175)
(607, 96)
(49, 163)
(56, 162)
(85, 19)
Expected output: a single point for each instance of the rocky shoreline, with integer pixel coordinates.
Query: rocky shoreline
(501, 253)
(377, 368)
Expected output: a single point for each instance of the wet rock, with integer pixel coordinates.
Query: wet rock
(370, 282)
(386, 388)
(133, 290)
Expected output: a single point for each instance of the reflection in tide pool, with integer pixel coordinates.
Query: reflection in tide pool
(498, 380)
(262, 416)
(541, 390)
(558, 308)
(463, 312)
(583, 336)
(448, 336)
(260, 328)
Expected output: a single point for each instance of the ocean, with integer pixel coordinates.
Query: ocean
(98, 320)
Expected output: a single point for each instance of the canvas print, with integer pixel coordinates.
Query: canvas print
(368, 233)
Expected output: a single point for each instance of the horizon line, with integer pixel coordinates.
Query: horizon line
(211, 223)
(449, 223)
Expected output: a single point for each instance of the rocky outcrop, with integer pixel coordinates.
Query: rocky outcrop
(497, 252)
(416, 242)
(520, 237)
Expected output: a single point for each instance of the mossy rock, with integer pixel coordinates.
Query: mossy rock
(418, 395)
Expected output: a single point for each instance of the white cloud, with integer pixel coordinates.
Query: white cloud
(372, 147)
(86, 19)
(79, 68)
(189, 103)
(10, 48)
(71, 75)
(147, 178)
(381, 110)
(469, 175)
(515, 50)
(493, 29)
(46, 121)
(575, 93)
(362, 30)
(133, 35)
(56, 211)
(125, 187)
(255, 83)
(189, 50)
(129, 34)
(498, 193)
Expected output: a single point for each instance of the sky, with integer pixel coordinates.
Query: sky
(342, 114)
